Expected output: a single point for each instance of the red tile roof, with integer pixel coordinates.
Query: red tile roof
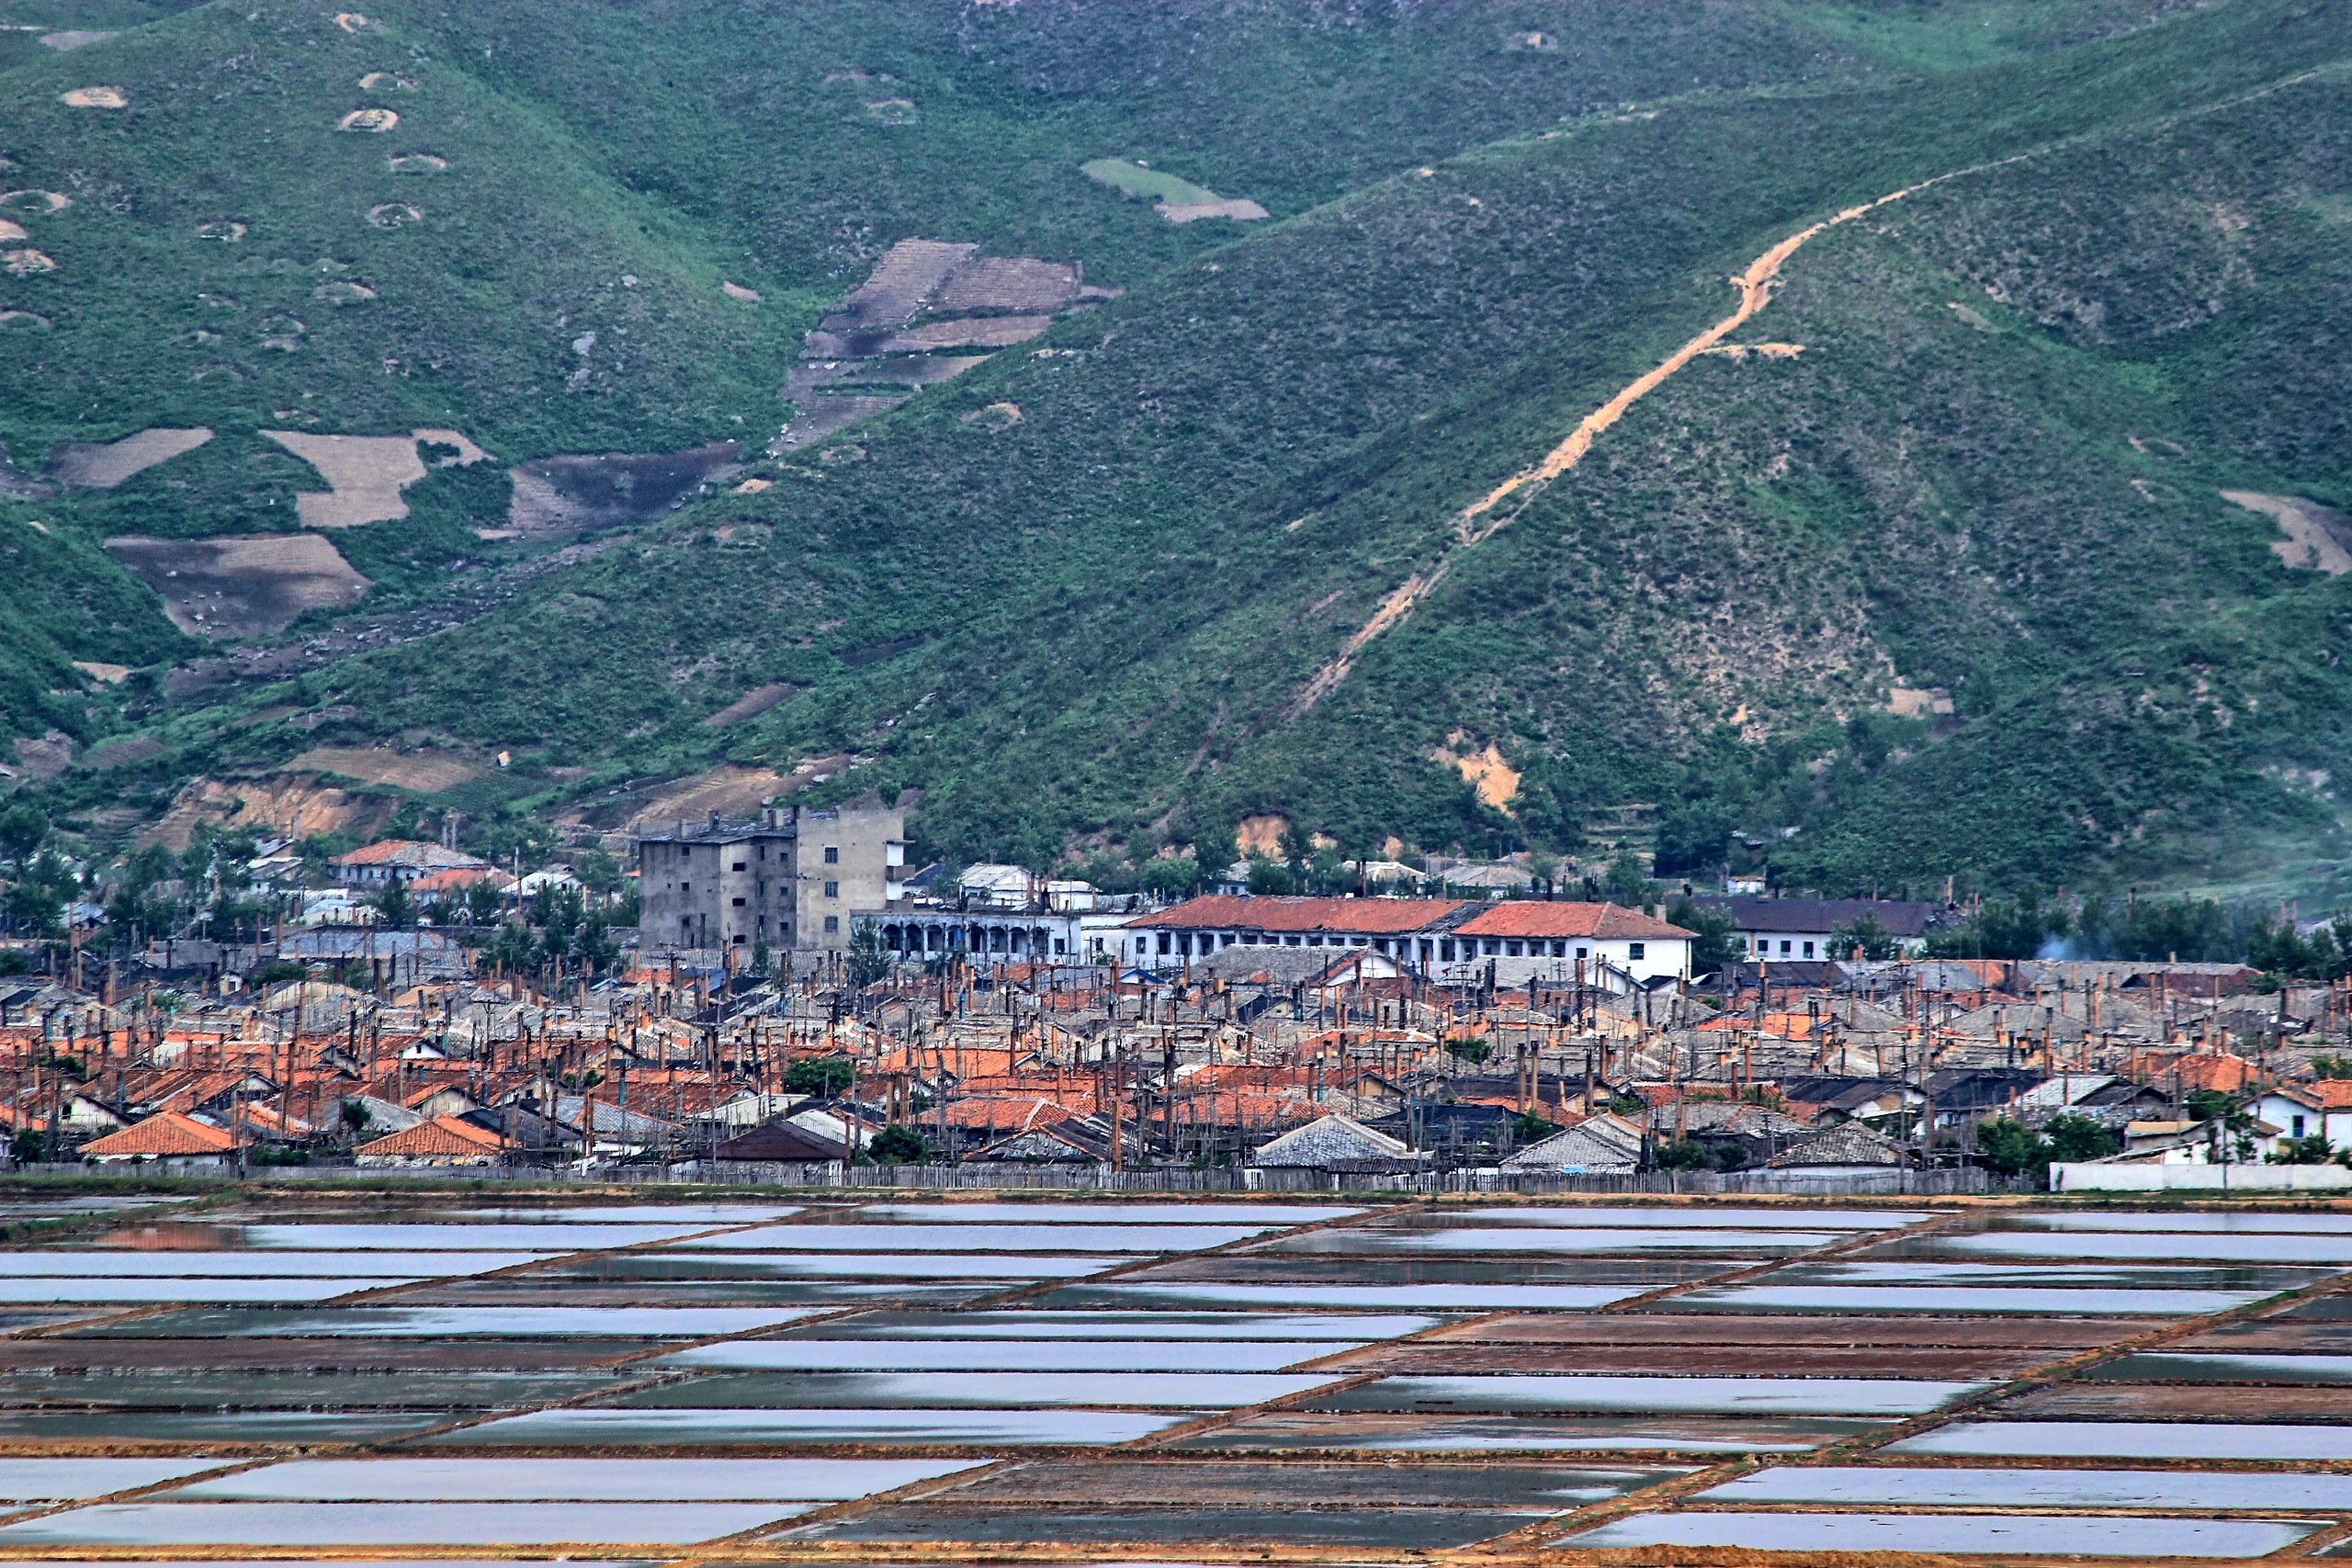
(442, 1137)
(1544, 917)
(168, 1136)
(1369, 917)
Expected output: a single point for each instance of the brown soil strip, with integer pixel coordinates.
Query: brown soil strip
(423, 771)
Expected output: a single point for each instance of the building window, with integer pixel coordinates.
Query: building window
(833, 924)
(833, 889)
(739, 903)
(832, 855)
(1808, 949)
(1784, 950)
(1581, 953)
(686, 887)
(1636, 950)
(1163, 944)
(739, 865)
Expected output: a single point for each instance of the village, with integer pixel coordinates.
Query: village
(793, 1004)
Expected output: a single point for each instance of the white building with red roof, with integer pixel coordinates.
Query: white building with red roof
(1517, 941)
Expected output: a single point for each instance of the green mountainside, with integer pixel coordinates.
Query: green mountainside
(1925, 571)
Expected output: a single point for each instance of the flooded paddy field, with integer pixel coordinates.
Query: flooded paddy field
(329, 1378)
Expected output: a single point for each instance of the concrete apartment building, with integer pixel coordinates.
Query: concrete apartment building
(789, 878)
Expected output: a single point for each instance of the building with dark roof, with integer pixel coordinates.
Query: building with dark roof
(1802, 929)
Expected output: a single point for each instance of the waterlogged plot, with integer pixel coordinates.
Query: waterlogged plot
(1900, 1486)
(522, 1237)
(1401, 1529)
(1997, 1534)
(2200, 1223)
(76, 1263)
(2181, 1367)
(29, 1480)
(1129, 1326)
(1730, 1396)
(635, 1213)
(1960, 1298)
(111, 1292)
(1656, 1218)
(295, 1389)
(209, 1427)
(1176, 1391)
(1548, 1238)
(2133, 1439)
(2219, 1246)
(979, 1238)
(394, 1523)
(481, 1478)
(723, 1428)
(939, 1265)
(505, 1322)
(1008, 1354)
(2053, 1276)
(1256, 1217)
(1280, 1431)
(1211, 1295)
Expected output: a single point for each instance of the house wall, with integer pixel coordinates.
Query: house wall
(791, 882)
(1442, 957)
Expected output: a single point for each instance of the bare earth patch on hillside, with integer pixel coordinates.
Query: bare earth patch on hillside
(103, 673)
(94, 98)
(896, 334)
(1240, 210)
(730, 790)
(751, 704)
(424, 772)
(1260, 833)
(2319, 539)
(365, 473)
(72, 38)
(557, 497)
(240, 586)
(1485, 772)
(287, 805)
(95, 465)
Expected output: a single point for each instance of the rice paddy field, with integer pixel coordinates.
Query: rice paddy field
(471, 1377)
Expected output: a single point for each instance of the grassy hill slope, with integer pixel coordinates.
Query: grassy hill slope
(1072, 597)
(1090, 624)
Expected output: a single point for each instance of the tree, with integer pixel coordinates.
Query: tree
(869, 960)
(2311, 1150)
(1528, 1127)
(899, 1146)
(1711, 929)
(1465, 1049)
(1868, 933)
(1684, 1154)
(1268, 876)
(1624, 883)
(823, 1077)
(24, 829)
(392, 904)
(2073, 1138)
(484, 903)
(598, 872)
(1170, 877)
(2011, 1147)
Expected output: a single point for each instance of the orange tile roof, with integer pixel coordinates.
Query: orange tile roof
(1546, 919)
(451, 880)
(442, 1136)
(166, 1137)
(1370, 917)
